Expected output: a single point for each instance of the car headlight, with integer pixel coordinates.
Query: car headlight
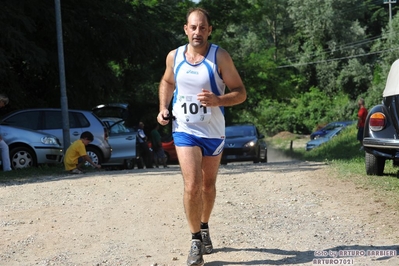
(377, 121)
(250, 144)
(49, 140)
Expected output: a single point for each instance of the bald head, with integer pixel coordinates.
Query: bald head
(201, 11)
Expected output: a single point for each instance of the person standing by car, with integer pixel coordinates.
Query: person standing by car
(5, 153)
(193, 76)
(361, 119)
(76, 154)
(144, 150)
(156, 145)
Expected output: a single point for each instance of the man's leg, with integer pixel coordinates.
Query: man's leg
(165, 161)
(147, 156)
(5, 156)
(164, 158)
(81, 163)
(139, 154)
(210, 167)
(190, 159)
(360, 137)
(199, 174)
(155, 158)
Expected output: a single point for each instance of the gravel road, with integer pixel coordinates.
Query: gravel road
(281, 213)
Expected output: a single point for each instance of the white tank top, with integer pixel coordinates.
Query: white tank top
(190, 79)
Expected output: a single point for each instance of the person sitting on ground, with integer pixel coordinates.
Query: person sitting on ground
(76, 156)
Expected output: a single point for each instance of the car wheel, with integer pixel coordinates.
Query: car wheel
(129, 164)
(22, 157)
(264, 160)
(223, 160)
(374, 165)
(94, 154)
(257, 159)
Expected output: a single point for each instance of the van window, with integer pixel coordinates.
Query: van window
(29, 120)
(52, 120)
(79, 119)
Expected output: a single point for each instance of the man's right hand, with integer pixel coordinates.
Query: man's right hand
(163, 117)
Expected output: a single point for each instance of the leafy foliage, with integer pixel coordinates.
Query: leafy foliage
(303, 64)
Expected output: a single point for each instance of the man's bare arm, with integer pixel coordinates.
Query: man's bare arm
(232, 80)
(166, 88)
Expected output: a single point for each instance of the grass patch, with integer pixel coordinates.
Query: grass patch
(342, 153)
(41, 170)
(24, 175)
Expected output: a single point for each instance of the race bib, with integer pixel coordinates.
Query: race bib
(189, 110)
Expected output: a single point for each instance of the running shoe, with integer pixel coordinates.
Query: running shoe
(195, 254)
(206, 240)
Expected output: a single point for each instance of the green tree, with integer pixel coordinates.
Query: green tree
(327, 38)
(303, 63)
(108, 46)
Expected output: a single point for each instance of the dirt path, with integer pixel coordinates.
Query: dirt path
(280, 213)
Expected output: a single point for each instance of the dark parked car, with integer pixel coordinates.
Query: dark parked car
(49, 120)
(323, 131)
(244, 143)
(31, 148)
(381, 132)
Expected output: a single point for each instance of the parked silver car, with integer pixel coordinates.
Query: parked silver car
(49, 120)
(30, 148)
(123, 143)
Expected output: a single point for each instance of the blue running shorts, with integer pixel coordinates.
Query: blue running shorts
(209, 147)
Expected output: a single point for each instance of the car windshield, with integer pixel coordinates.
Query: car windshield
(330, 126)
(119, 128)
(332, 133)
(240, 131)
(116, 125)
(337, 124)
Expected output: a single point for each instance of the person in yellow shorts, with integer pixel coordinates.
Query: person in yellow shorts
(76, 155)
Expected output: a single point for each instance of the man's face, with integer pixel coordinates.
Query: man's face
(197, 29)
(2, 104)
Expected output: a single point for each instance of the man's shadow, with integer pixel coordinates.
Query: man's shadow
(292, 257)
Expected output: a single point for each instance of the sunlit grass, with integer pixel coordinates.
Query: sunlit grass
(343, 155)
